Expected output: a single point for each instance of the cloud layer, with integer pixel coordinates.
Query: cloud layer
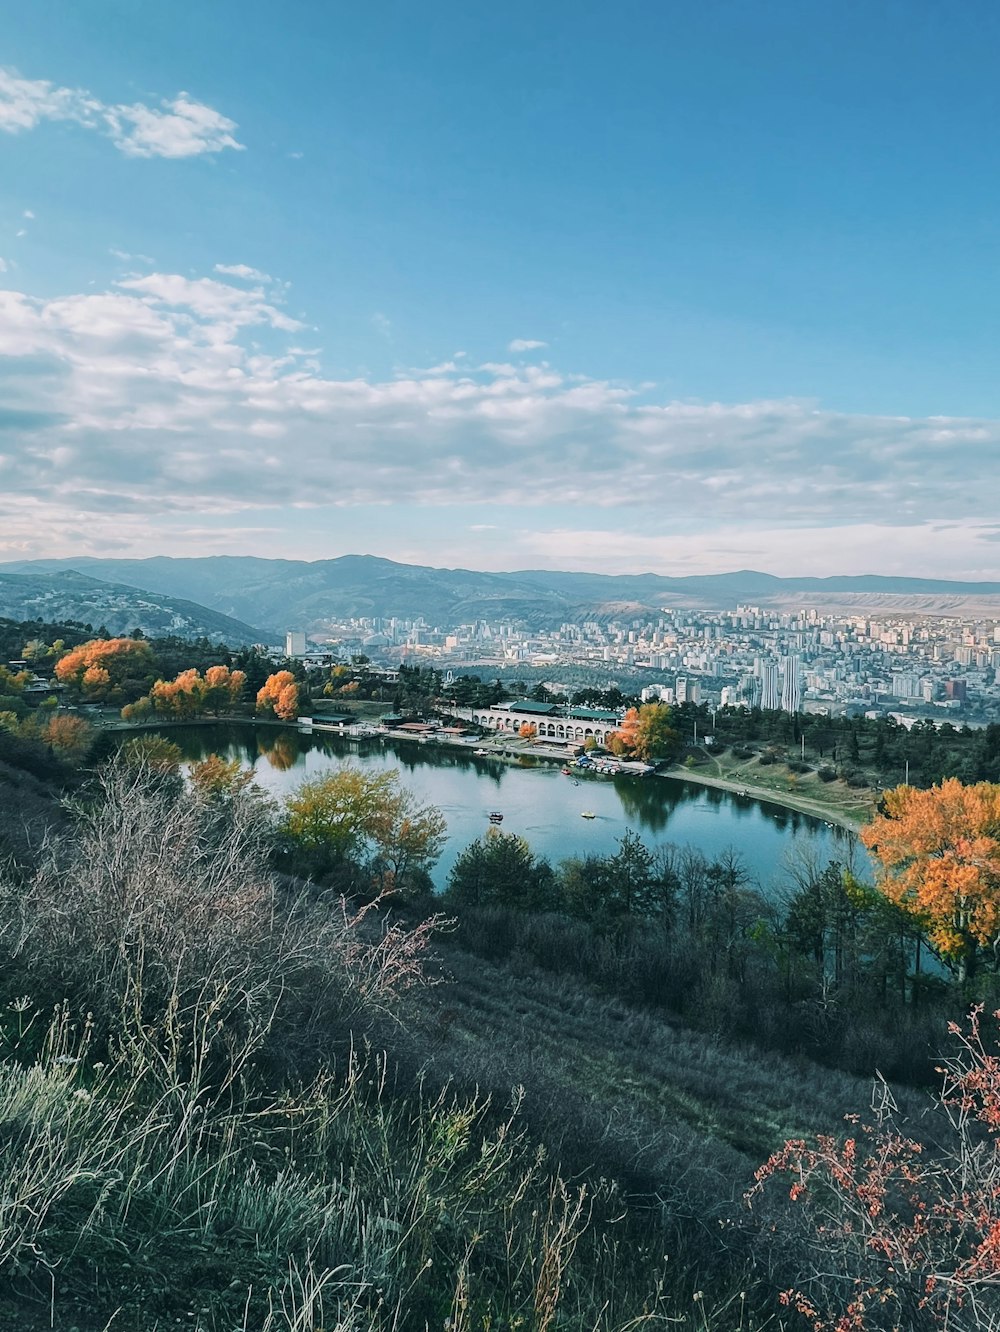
(178, 127)
(167, 395)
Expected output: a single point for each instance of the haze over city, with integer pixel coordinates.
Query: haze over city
(699, 289)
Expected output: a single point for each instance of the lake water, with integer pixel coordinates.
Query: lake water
(538, 802)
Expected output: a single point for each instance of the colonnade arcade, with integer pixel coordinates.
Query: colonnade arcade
(569, 729)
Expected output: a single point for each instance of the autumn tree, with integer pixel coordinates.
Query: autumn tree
(938, 857)
(407, 840)
(646, 732)
(622, 741)
(528, 730)
(190, 694)
(279, 697)
(13, 682)
(139, 711)
(219, 779)
(357, 816)
(107, 669)
(223, 689)
(154, 753)
(69, 736)
(180, 698)
(655, 738)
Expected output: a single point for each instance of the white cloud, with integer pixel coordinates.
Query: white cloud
(525, 344)
(128, 258)
(155, 398)
(179, 127)
(227, 306)
(28, 214)
(242, 271)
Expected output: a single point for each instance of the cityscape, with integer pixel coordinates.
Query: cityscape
(813, 661)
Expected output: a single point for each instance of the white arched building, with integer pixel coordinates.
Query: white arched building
(570, 725)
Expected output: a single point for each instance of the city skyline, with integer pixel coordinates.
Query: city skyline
(693, 292)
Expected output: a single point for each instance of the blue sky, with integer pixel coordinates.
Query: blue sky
(666, 286)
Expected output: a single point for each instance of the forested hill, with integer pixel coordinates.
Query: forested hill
(279, 594)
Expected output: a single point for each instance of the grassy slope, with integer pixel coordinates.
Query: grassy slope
(631, 1092)
(835, 801)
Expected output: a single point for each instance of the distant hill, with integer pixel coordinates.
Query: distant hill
(66, 595)
(298, 594)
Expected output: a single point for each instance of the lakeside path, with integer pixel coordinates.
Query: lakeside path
(816, 808)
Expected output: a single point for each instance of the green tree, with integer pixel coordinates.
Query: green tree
(352, 815)
(500, 869)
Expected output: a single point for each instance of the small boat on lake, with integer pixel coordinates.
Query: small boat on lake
(496, 817)
(587, 814)
(566, 772)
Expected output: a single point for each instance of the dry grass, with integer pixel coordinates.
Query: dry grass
(169, 1161)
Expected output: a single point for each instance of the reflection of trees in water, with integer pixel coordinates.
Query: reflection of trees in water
(282, 749)
(644, 802)
(198, 742)
(651, 802)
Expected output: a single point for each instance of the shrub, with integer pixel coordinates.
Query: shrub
(908, 1229)
(158, 904)
(827, 774)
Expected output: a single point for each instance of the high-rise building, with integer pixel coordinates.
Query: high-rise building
(295, 643)
(791, 685)
(904, 684)
(770, 697)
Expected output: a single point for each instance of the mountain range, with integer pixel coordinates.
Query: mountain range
(248, 598)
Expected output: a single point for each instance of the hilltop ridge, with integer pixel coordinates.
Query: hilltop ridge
(275, 593)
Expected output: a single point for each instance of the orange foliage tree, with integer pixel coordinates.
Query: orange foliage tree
(223, 689)
(107, 669)
(645, 732)
(180, 697)
(190, 694)
(938, 856)
(622, 741)
(279, 696)
(69, 736)
(528, 731)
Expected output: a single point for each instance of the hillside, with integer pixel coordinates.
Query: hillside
(66, 595)
(282, 594)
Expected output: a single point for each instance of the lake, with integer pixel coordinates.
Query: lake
(538, 802)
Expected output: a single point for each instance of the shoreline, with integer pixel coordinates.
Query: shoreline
(800, 804)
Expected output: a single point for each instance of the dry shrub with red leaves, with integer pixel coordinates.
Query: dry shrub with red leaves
(902, 1232)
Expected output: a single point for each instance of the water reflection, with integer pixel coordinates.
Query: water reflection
(282, 749)
(536, 800)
